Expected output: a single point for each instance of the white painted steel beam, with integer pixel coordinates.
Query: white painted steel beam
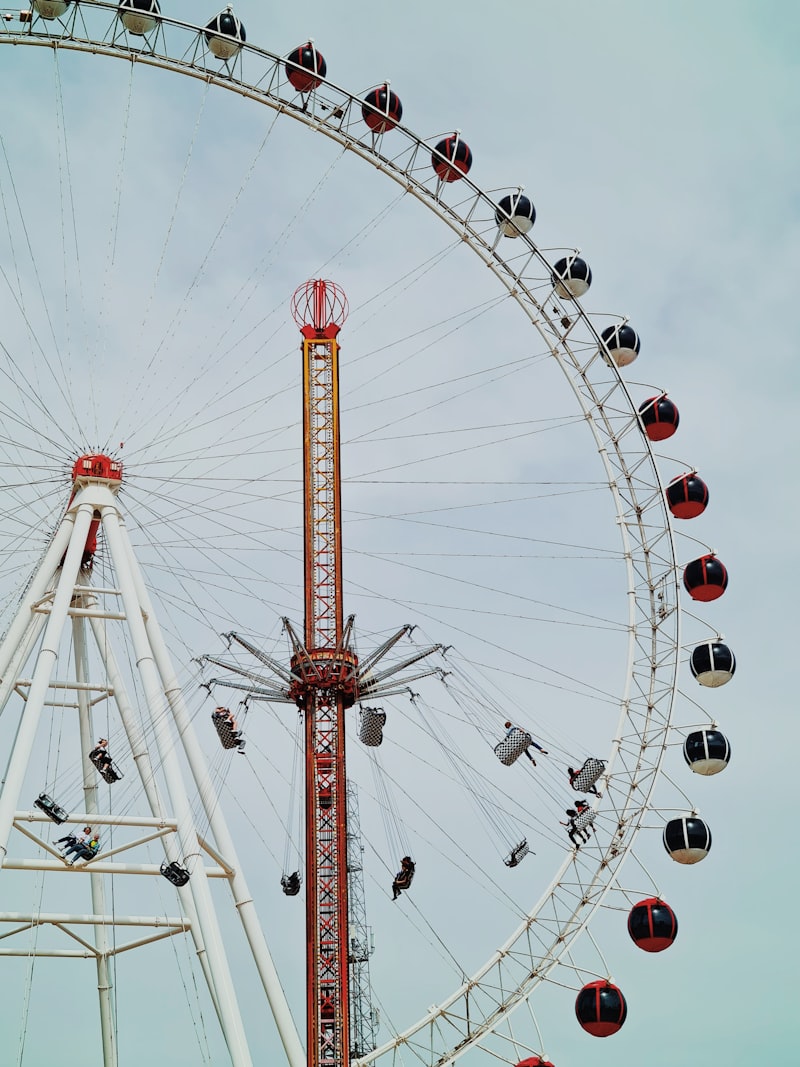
(13, 864)
(142, 821)
(32, 918)
(208, 796)
(144, 767)
(230, 1016)
(22, 748)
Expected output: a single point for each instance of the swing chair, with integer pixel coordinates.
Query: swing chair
(290, 883)
(404, 877)
(371, 722)
(225, 725)
(52, 810)
(517, 854)
(584, 818)
(512, 746)
(109, 772)
(292, 880)
(175, 873)
(583, 780)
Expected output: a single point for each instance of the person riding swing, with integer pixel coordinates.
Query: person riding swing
(101, 758)
(404, 877)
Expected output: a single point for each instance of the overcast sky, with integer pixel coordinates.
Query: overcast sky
(661, 140)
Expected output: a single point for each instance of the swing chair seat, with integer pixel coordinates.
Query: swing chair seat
(517, 854)
(228, 736)
(109, 772)
(85, 852)
(175, 873)
(588, 774)
(370, 726)
(584, 819)
(404, 877)
(512, 746)
(290, 884)
(52, 810)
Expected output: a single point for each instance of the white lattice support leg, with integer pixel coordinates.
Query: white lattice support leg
(231, 1020)
(39, 585)
(26, 645)
(239, 888)
(142, 762)
(48, 654)
(104, 985)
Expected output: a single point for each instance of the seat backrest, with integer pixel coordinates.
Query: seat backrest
(224, 728)
(588, 774)
(370, 726)
(512, 746)
(584, 819)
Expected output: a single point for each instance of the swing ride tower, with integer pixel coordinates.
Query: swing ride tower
(325, 670)
(324, 679)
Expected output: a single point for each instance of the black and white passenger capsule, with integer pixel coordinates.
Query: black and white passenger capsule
(50, 9)
(687, 839)
(139, 16)
(225, 34)
(707, 751)
(515, 214)
(713, 664)
(620, 344)
(571, 277)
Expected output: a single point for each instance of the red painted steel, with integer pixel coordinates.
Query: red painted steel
(327, 671)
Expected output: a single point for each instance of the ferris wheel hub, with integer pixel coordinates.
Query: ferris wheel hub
(96, 467)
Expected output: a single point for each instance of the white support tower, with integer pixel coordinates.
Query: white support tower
(57, 660)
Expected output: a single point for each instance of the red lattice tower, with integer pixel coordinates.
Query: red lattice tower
(327, 670)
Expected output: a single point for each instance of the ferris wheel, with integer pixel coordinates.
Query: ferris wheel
(551, 597)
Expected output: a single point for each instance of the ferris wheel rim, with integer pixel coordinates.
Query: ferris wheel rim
(598, 389)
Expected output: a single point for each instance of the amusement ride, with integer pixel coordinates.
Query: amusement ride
(117, 703)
